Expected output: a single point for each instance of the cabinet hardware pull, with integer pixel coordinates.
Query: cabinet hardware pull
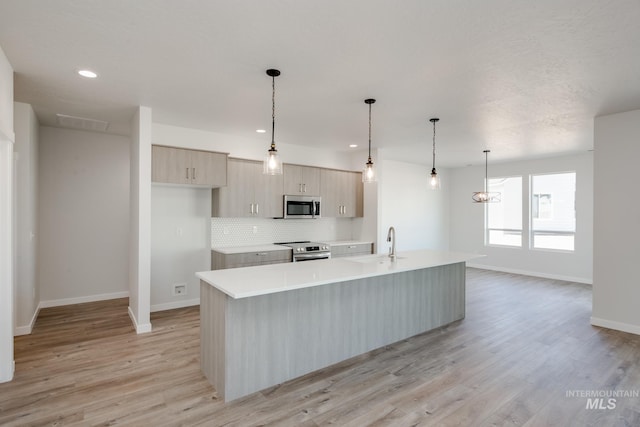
(299, 188)
(257, 208)
(261, 254)
(193, 173)
(251, 208)
(187, 173)
(352, 247)
(304, 186)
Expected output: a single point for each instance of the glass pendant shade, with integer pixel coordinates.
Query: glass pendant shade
(272, 164)
(486, 196)
(434, 180)
(369, 173)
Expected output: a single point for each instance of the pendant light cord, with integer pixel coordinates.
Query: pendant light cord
(369, 132)
(486, 173)
(434, 146)
(273, 111)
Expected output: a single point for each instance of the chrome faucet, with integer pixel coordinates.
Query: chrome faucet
(391, 237)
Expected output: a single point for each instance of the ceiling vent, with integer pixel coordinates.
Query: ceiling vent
(82, 123)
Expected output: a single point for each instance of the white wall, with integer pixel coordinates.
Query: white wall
(140, 221)
(418, 214)
(249, 148)
(83, 213)
(6, 97)
(180, 243)
(6, 219)
(467, 220)
(616, 292)
(26, 152)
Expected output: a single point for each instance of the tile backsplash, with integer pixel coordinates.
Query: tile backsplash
(257, 231)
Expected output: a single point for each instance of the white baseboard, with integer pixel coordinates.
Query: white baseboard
(27, 329)
(81, 300)
(140, 329)
(7, 371)
(532, 273)
(176, 304)
(618, 326)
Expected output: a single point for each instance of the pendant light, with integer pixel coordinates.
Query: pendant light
(272, 163)
(485, 196)
(434, 181)
(369, 174)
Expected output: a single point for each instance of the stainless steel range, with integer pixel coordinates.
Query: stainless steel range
(308, 251)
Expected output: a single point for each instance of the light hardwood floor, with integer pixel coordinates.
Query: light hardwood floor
(525, 343)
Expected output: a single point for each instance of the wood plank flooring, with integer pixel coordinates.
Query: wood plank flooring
(524, 345)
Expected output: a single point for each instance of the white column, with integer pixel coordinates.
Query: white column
(140, 222)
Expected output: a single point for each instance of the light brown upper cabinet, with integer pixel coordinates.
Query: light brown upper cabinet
(341, 193)
(301, 180)
(248, 193)
(182, 166)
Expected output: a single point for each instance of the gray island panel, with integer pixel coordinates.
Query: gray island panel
(252, 343)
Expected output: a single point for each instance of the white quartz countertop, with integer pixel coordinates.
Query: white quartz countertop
(345, 242)
(267, 279)
(255, 248)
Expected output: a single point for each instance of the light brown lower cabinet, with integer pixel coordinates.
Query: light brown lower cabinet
(220, 261)
(355, 249)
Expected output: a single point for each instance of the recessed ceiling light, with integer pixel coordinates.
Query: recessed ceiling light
(353, 145)
(88, 74)
(261, 131)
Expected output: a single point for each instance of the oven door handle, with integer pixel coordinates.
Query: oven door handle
(312, 256)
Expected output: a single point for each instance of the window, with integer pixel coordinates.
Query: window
(553, 212)
(504, 219)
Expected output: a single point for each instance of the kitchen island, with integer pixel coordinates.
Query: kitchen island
(261, 326)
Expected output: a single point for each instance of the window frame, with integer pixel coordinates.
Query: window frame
(487, 230)
(531, 231)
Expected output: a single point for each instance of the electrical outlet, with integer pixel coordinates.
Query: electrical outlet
(179, 289)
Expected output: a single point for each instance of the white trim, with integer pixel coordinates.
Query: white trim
(176, 304)
(81, 300)
(11, 136)
(27, 329)
(532, 273)
(619, 326)
(140, 329)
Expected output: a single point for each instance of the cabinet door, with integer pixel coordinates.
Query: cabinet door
(248, 193)
(311, 181)
(351, 194)
(292, 175)
(208, 168)
(269, 192)
(340, 251)
(301, 180)
(340, 195)
(329, 190)
(170, 165)
(237, 198)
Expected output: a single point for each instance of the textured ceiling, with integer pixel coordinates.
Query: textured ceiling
(524, 79)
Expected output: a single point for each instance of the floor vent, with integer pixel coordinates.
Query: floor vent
(82, 123)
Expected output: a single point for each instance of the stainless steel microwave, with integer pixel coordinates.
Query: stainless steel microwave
(302, 207)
